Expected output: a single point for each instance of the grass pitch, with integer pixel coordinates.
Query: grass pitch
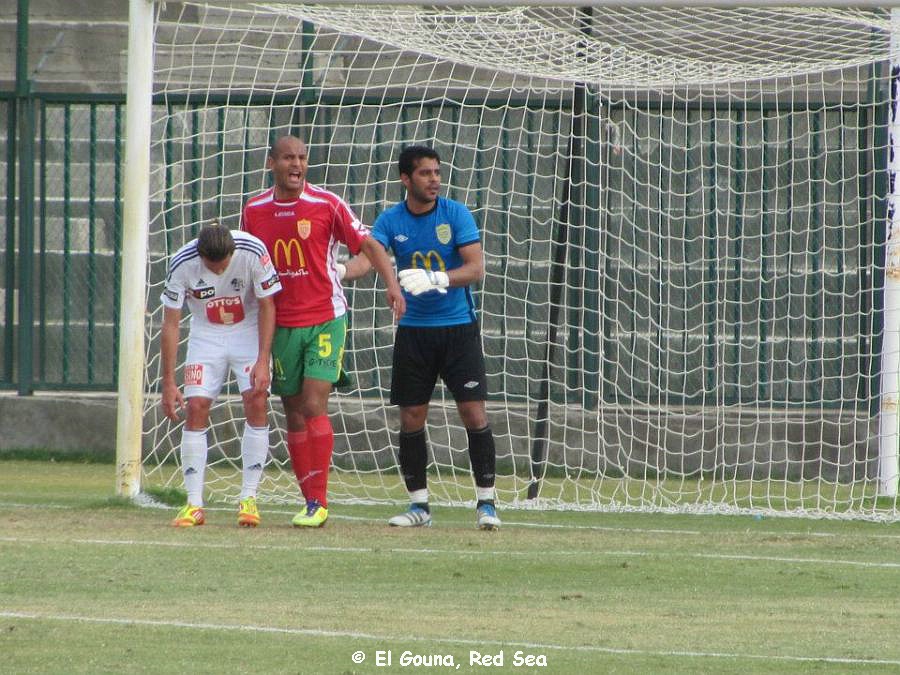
(89, 584)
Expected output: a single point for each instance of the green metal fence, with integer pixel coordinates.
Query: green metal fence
(8, 239)
(707, 301)
(623, 309)
(744, 256)
(72, 296)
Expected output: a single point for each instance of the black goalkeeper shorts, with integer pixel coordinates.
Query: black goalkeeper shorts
(422, 353)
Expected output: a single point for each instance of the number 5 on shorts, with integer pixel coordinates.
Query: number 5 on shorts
(325, 347)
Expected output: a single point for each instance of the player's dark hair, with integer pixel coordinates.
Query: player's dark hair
(215, 242)
(410, 156)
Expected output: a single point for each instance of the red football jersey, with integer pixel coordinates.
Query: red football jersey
(302, 237)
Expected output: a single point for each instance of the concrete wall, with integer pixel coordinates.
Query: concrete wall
(64, 422)
(74, 45)
(642, 443)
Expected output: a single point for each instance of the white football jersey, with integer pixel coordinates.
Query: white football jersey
(226, 301)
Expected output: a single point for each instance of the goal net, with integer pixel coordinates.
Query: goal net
(684, 217)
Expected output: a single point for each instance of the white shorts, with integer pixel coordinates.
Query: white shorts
(210, 357)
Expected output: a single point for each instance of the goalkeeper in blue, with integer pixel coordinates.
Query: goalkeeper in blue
(437, 247)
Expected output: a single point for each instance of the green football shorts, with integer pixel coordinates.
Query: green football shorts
(311, 351)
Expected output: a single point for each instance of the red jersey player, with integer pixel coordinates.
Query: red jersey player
(302, 225)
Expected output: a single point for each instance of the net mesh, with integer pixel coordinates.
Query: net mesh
(682, 215)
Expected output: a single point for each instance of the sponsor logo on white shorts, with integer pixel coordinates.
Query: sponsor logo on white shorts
(193, 373)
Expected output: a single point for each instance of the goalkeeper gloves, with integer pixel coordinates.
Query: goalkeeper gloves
(416, 281)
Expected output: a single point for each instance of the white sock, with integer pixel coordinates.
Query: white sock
(485, 494)
(254, 451)
(193, 464)
(419, 496)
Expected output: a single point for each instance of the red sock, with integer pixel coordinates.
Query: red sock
(321, 445)
(301, 458)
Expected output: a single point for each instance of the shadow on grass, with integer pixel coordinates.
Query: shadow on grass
(171, 496)
(167, 496)
(111, 503)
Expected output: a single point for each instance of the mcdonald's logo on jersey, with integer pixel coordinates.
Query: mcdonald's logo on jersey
(288, 255)
(428, 261)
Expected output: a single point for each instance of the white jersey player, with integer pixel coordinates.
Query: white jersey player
(227, 281)
(223, 304)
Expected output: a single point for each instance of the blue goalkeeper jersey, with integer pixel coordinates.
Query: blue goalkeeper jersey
(431, 241)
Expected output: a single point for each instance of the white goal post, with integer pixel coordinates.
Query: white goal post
(692, 301)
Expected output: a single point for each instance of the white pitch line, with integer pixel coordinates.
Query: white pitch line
(14, 505)
(507, 523)
(636, 530)
(822, 561)
(633, 530)
(445, 551)
(535, 646)
(301, 547)
(553, 526)
(365, 519)
(646, 530)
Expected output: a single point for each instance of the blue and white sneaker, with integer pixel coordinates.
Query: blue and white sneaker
(487, 517)
(415, 517)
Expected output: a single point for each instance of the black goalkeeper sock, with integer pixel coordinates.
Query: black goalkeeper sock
(413, 456)
(482, 456)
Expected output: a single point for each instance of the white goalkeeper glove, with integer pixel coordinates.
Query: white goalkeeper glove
(341, 270)
(416, 281)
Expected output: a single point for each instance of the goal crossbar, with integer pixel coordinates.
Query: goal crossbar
(634, 4)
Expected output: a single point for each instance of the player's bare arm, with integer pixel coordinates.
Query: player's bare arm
(376, 254)
(172, 398)
(356, 268)
(472, 269)
(260, 376)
